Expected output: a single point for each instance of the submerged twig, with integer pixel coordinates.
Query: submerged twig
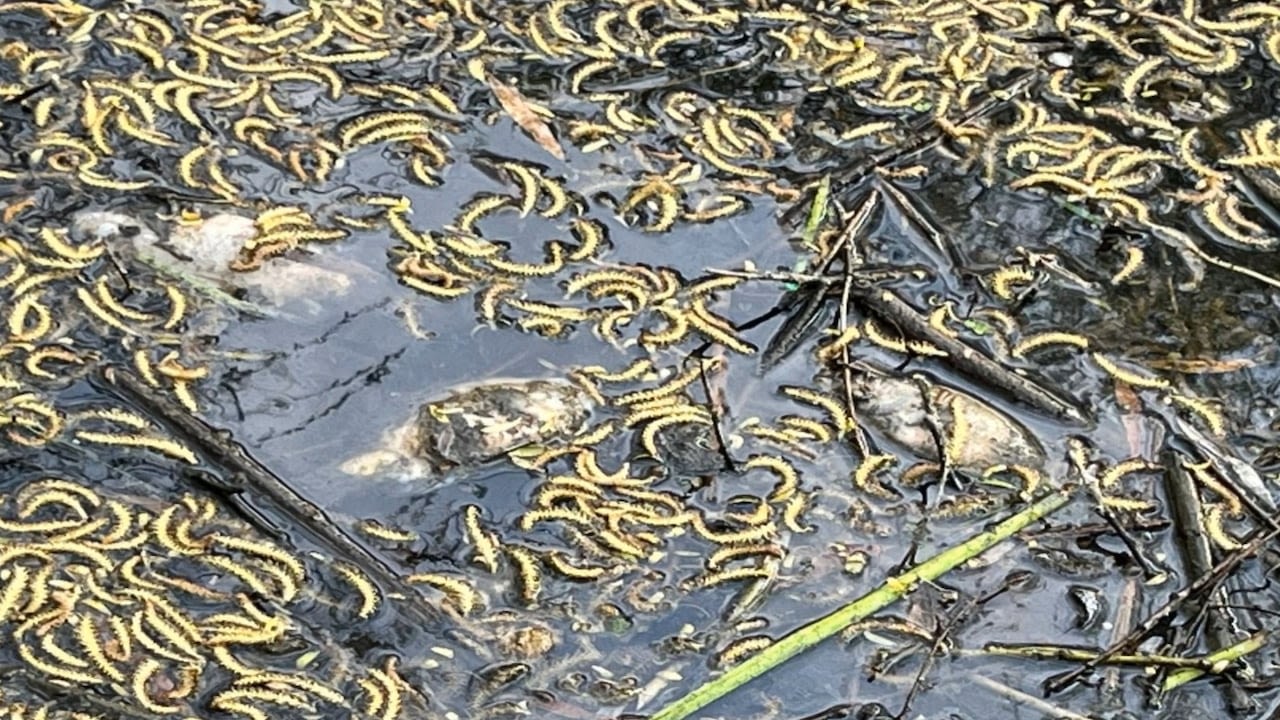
(941, 636)
(774, 275)
(892, 590)
(1181, 241)
(1238, 477)
(917, 217)
(1149, 569)
(1079, 654)
(857, 221)
(1013, 695)
(233, 457)
(810, 301)
(1187, 517)
(715, 405)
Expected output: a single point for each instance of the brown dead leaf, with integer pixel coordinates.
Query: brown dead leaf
(1126, 398)
(15, 209)
(1132, 419)
(518, 107)
(787, 121)
(1200, 366)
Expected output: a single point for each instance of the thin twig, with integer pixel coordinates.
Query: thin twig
(846, 363)
(930, 229)
(1149, 570)
(1017, 696)
(775, 276)
(1182, 241)
(941, 636)
(715, 405)
(1188, 513)
(1089, 530)
(1078, 654)
(1237, 476)
(858, 221)
(1197, 558)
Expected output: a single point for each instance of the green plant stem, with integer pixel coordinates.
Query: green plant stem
(817, 211)
(1221, 658)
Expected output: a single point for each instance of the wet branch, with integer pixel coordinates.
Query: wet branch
(232, 457)
(1078, 654)
(1193, 541)
(715, 405)
(852, 258)
(930, 229)
(1031, 701)
(892, 308)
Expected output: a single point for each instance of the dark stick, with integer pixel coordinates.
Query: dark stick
(1222, 463)
(941, 636)
(855, 223)
(890, 306)
(1092, 529)
(1187, 514)
(716, 416)
(233, 457)
(1197, 557)
(807, 305)
(1149, 570)
(934, 424)
(119, 268)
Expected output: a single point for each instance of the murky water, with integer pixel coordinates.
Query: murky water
(690, 138)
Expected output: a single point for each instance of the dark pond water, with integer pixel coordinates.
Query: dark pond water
(416, 186)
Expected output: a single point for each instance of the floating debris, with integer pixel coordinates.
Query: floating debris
(477, 423)
(213, 249)
(155, 606)
(689, 448)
